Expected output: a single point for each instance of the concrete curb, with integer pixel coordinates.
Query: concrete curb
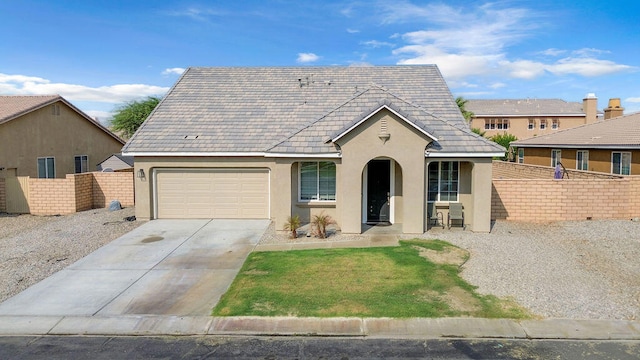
(344, 327)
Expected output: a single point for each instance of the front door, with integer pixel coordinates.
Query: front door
(378, 191)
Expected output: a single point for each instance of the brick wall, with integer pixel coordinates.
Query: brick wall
(52, 196)
(3, 196)
(510, 170)
(536, 200)
(113, 186)
(79, 192)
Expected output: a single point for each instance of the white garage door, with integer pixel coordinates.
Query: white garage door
(212, 193)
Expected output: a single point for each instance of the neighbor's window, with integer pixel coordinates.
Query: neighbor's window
(556, 155)
(532, 124)
(582, 160)
(621, 163)
(46, 168)
(318, 181)
(500, 124)
(555, 124)
(444, 177)
(543, 124)
(521, 156)
(81, 163)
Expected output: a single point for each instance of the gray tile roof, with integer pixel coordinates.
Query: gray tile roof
(524, 107)
(295, 109)
(621, 132)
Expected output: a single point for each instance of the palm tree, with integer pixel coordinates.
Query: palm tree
(461, 104)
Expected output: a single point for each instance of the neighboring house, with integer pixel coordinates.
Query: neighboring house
(361, 144)
(527, 118)
(608, 146)
(116, 162)
(48, 137)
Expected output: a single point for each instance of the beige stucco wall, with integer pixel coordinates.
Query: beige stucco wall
(519, 126)
(42, 134)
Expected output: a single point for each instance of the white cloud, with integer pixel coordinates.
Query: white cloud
(586, 67)
(307, 57)
(175, 70)
(553, 52)
(103, 117)
(352, 31)
(632, 100)
(30, 85)
(376, 44)
(199, 14)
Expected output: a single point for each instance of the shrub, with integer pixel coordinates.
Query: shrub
(320, 223)
(292, 225)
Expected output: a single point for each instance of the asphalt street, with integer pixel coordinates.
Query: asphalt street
(211, 347)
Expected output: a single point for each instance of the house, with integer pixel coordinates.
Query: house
(527, 118)
(372, 145)
(116, 162)
(48, 137)
(608, 146)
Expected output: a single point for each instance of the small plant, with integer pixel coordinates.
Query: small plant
(292, 225)
(320, 223)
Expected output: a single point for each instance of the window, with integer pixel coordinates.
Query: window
(493, 124)
(46, 168)
(532, 124)
(81, 163)
(318, 181)
(556, 156)
(521, 156)
(543, 124)
(555, 124)
(582, 160)
(443, 181)
(621, 163)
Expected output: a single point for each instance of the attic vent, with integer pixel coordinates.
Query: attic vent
(191, 137)
(384, 131)
(55, 109)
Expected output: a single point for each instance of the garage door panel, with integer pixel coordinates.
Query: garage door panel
(212, 193)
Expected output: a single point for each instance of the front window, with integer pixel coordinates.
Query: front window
(582, 160)
(444, 177)
(555, 124)
(532, 124)
(499, 124)
(543, 124)
(81, 163)
(317, 181)
(46, 168)
(556, 155)
(621, 163)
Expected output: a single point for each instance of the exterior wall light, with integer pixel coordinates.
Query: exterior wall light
(141, 175)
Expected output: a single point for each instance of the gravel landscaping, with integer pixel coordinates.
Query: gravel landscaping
(34, 247)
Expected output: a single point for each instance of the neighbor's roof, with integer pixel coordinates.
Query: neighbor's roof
(524, 107)
(15, 106)
(621, 132)
(296, 110)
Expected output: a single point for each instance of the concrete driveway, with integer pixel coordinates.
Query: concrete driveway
(164, 267)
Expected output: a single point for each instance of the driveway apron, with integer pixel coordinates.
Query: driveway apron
(164, 267)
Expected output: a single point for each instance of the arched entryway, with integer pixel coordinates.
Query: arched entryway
(381, 191)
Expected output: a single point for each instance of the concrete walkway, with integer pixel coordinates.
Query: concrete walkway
(159, 291)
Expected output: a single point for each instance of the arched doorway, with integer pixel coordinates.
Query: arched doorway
(381, 187)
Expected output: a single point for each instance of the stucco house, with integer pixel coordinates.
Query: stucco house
(361, 144)
(609, 146)
(48, 137)
(116, 162)
(527, 118)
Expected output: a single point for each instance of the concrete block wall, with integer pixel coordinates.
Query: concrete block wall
(52, 196)
(3, 196)
(510, 170)
(535, 200)
(113, 186)
(83, 184)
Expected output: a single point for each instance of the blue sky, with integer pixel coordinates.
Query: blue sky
(100, 54)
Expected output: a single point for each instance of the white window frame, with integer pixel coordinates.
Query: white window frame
(543, 124)
(622, 158)
(555, 124)
(438, 198)
(46, 167)
(315, 198)
(84, 165)
(532, 124)
(556, 156)
(582, 163)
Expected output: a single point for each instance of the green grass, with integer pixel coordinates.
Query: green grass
(372, 282)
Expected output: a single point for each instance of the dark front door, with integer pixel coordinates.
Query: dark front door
(378, 191)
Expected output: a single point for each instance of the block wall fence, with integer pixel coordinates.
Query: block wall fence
(76, 192)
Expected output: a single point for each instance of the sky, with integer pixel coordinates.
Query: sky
(100, 55)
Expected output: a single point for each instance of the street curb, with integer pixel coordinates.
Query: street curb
(143, 325)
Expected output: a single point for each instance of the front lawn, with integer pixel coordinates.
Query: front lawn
(416, 279)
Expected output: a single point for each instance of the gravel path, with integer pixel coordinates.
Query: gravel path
(34, 247)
